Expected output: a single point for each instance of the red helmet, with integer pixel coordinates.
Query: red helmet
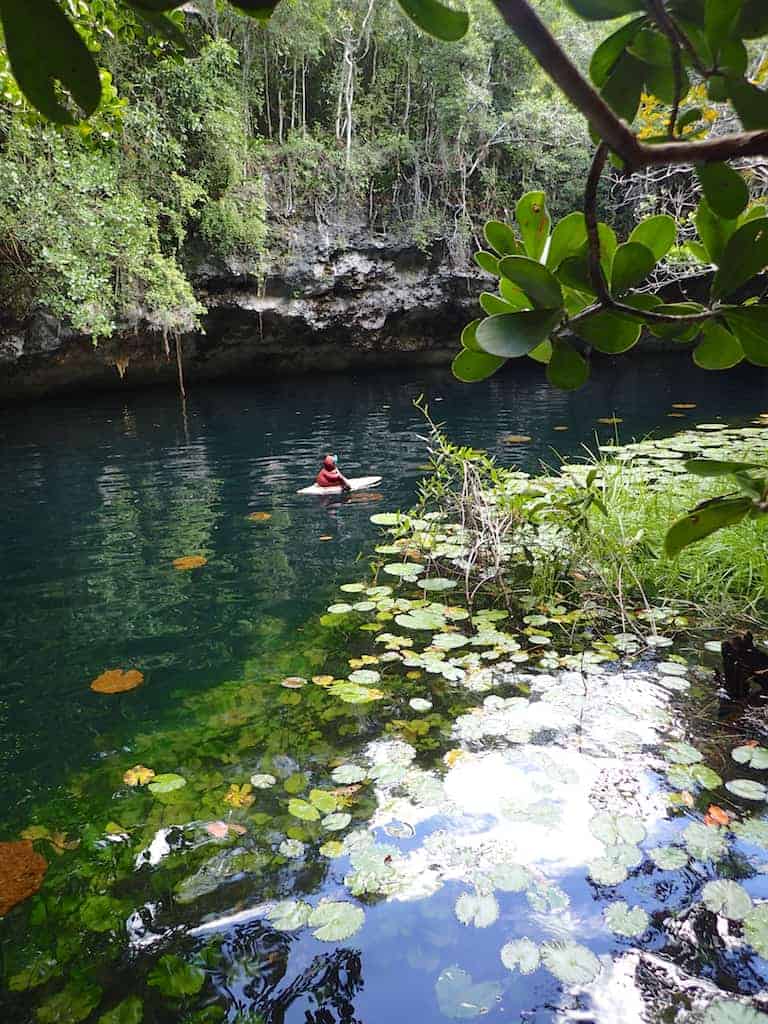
(329, 462)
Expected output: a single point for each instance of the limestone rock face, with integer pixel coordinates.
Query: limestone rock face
(331, 300)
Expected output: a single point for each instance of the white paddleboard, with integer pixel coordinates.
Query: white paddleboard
(356, 483)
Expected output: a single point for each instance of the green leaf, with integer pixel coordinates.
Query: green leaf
(175, 978)
(715, 467)
(570, 962)
(303, 810)
(469, 336)
(718, 349)
(470, 367)
(487, 261)
(43, 49)
(746, 255)
(533, 220)
(459, 998)
(683, 753)
(522, 953)
(750, 325)
(336, 822)
(680, 332)
(604, 10)
(720, 19)
(261, 10)
(756, 929)
(733, 58)
(657, 234)
(727, 898)
(688, 118)
(703, 521)
(166, 783)
(625, 920)
(747, 789)
(534, 280)
(436, 19)
(632, 263)
(567, 239)
(756, 757)
(70, 1006)
(624, 87)
(336, 921)
(728, 1011)
(652, 47)
(501, 237)
(130, 1011)
(705, 842)
(101, 914)
(725, 190)
(289, 915)
(322, 799)
(714, 232)
(542, 353)
(608, 52)
(477, 909)
(493, 305)
(698, 251)
(567, 369)
(608, 332)
(754, 19)
(515, 334)
(574, 273)
(750, 103)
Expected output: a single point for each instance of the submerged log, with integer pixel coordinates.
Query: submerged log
(743, 663)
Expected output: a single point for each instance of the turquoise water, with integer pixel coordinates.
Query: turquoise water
(100, 496)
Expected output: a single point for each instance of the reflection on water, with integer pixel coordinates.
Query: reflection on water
(484, 838)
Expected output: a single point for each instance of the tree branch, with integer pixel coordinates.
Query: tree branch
(590, 215)
(536, 37)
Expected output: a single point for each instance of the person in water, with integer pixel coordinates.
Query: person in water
(329, 475)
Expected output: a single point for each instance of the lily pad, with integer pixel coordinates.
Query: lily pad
(522, 954)
(756, 929)
(166, 783)
(289, 915)
(420, 704)
(354, 693)
(459, 998)
(728, 1011)
(262, 780)
(668, 858)
(388, 519)
(335, 921)
(613, 828)
(324, 801)
(175, 978)
(476, 909)
(727, 898)
(511, 877)
(348, 774)
(291, 848)
(754, 830)
(303, 810)
(570, 962)
(437, 583)
(683, 753)
(705, 842)
(756, 757)
(365, 677)
(404, 570)
(745, 788)
(625, 920)
(336, 822)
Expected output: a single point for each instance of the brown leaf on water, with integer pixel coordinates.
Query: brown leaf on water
(686, 798)
(21, 873)
(559, 428)
(610, 420)
(322, 680)
(293, 682)
(716, 816)
(516, 439)
(364, 496)
(683, 405)
(259, 517)
(117, 680)
(326, 536)
(676, 415)
(189, 562)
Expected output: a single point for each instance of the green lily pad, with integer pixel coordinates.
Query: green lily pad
(348, 774)
(365, 676)
(175, 978)
(756, 929)
(354, 693)
(303, 810)
(570, 962)
(668, 858)
(522, 954)
(459, 998)
(166, 783)
(404, 570)
(728, 1011)
(289, 915)
(388, 519)
(436, 583)
(613, 828)
(756, 757)
(727, 898)
(625, 920)
(263, 780)
(336, 822)
(705, 842)
(476, 909)
(747, 789)
(754, 830)
(682, 753)
(324, 801)
(335, 921)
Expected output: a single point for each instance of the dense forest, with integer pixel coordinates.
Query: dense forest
(332, 114)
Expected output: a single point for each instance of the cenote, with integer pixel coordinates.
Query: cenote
(264, 832)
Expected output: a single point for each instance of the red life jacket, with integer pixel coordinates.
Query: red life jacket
(328, 478)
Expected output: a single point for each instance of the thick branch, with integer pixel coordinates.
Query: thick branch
(536, 37)
(590, 215)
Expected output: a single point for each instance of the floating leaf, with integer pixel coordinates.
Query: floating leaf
(138, 775)
(323, 800)
(420, 704)
(262, 780)
(613, 828)
(388, 519)
(727, 898)
(260, 517)
(353, 693)
(747, 789)
(302, 809)
(166, 783)
(476, 909)
(116, 680)
(511, 877)
(239, 796)
(289, 915)
(366, 677)
(682, 753)
(336, 822)
(295, 783)
(756, 929)
(522, 954)
(336, 921)
(437, 583)
(723, 1011)
(606, 871)
(668, 858)
(704, 842)
(753, 830)
(459, 998)
(21, 873)
(404, 570)
(333, 848)
(570, 962)
(627, 921)
(291, 848)
(293, 682)
(175, 978)
(756, 757)
(347, 774)
(189, 562)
